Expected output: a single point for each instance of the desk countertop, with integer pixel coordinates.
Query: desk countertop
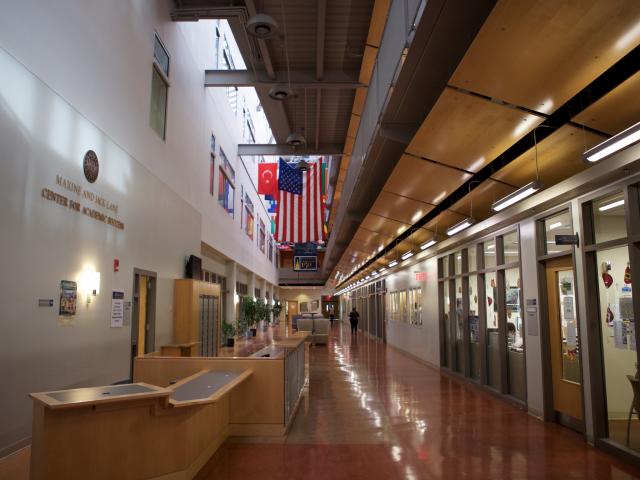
(205, 387)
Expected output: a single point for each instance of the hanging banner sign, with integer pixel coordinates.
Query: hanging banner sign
(305, 263)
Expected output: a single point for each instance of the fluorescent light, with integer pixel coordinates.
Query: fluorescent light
(393, 264)
(382, 269)
(367, 277)
(406, 255)
(614, 144)
(516, 196)
(458, 227)
(428, 244)
(611, 205)
(555, 225)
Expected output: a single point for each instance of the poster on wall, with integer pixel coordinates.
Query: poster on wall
(315, 305)
(68, 298)
(304, 307)
(117, 308)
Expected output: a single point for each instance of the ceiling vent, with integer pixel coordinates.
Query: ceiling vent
(262, 26)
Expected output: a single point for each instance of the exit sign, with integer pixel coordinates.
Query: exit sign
(421, 276)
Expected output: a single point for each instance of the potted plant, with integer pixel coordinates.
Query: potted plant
(229, 331)
(262, 313)
(276, 309)
(249, 314)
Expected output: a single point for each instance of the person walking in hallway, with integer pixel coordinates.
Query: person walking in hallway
(353, 318)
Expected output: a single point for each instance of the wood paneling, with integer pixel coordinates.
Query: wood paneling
(481, 198)
(616, 111)
(354, 123)
(424, 181)
(358, 102)
(378, 21)
(445, 220)
(386, 226)
(348, 145)
(539, 54)
(368, 62)
(468, 132)
(399, 208)
(559, 157)
(186, 310)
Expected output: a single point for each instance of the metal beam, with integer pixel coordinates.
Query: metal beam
(299, 79)
(279, 149)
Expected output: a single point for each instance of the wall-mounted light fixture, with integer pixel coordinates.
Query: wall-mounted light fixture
(612, 145)
(516, 196)
(90, 283)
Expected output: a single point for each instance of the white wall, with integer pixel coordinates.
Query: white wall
(41, 136)
(420, 341)
(76, 74)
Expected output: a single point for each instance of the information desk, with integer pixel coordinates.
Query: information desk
(171, 421)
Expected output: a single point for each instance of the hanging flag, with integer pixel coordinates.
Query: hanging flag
(267, 179)
(272, 207)
(269, 198)
(300, 211)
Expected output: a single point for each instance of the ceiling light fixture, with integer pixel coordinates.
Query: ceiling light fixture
(262, 26)
(393, 263)
(555, 225)
(296, 139)
(611, 205)
(428, 244)
(516, 196)
(614, 144)
(407, 255)
(280, 92)
(458, 227)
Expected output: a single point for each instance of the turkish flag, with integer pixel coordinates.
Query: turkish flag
(268, 179)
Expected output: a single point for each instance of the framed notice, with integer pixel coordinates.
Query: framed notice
(68, 298)
(305, 263)
(117, 308)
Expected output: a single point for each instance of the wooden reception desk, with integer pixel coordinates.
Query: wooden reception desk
(169, 422)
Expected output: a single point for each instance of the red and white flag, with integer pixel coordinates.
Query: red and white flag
(300, 218)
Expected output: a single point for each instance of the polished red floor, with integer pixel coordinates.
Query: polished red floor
(373, 413)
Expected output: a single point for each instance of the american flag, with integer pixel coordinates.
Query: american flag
(299, 216)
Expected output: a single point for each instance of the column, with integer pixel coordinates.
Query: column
(232, 293)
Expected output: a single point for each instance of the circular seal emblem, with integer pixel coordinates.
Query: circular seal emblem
(91, 166)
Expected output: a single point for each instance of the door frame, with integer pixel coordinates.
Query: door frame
(151, 314)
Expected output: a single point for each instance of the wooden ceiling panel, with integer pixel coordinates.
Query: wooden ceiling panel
(398, 208)
(540, 53)
(378, 21)
(354, 123)
(468, 132)
(442, 222)
(416, 179)
(348, 145)
(358, 102)
(481, 198)
(559, 157)
(616, 111)
(368, 62)
(385, 226)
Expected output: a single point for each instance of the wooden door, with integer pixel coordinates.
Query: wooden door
(292, 308)
(564, 346)
(142, 314)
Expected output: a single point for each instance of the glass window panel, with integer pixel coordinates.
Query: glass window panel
(489, 254)
(459, 348)
(511, 247)
(472, 258)
(618, 342)
(609, 218)
(557, 225)
(568, 326)
(515, 333)
(474, 328)
(158, 114)
(458, 262)
(161, 56)
(493, 338)
(403, 306)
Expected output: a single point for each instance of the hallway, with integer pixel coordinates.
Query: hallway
(373, 413)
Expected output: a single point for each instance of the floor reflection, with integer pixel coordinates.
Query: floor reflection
(371, 412)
